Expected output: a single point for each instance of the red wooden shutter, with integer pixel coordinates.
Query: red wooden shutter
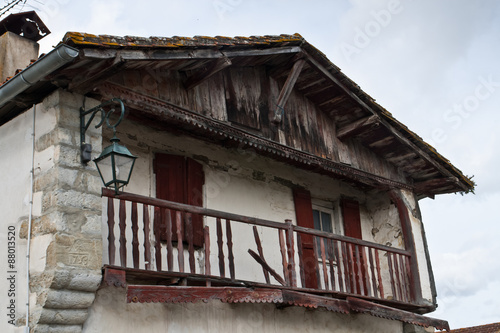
(194, 196)
(352, 228)
(304, 216)
(352, 219)
(181, 179)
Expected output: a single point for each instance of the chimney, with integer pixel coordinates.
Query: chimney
(18, 42)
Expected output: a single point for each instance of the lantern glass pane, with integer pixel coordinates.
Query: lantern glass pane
(106, 169)
(123, 168)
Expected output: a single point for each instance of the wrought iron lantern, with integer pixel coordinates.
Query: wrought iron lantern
(115, 164)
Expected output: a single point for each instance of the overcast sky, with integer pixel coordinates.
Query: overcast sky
(434, 64)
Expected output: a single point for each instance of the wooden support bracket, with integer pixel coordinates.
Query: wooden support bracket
(287, 89)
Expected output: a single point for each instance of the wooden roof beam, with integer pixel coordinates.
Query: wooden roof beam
(357, 127)
(200, 76)
(184, 54)
(105, 69)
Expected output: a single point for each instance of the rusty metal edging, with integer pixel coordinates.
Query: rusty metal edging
(169, 294)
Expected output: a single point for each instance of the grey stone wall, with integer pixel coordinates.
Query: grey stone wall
(71, 215)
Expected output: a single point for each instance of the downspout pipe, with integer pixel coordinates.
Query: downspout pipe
(30, 220)
(59, 56)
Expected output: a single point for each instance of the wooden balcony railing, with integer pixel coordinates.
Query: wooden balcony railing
(340, 265)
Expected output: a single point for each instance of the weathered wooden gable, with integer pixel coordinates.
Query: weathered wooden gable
(246, 97)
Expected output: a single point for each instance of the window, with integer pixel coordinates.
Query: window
(324, 221)
(180, 179)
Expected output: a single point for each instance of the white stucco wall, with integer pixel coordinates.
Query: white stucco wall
(15, 165)
(242, 182)
(111, 313)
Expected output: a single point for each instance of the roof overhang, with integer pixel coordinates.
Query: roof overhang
(356, 114)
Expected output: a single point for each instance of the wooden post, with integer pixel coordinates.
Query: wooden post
(291, 253)
(409, 241)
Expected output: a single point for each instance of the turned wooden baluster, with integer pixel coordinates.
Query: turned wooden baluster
(206, 235)
(372, 269)
(230, 256)
(147, 242)
(180, 245)
(284, 260)
(220, 245)
(123, 239)
(339, 266)
(189, 232)
(330, 262)
(167, 221)
(111, 233)
(156, 232)
(301, 260)
(135, 236)
(379, 275)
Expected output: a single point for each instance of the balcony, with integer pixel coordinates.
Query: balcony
(244, 258)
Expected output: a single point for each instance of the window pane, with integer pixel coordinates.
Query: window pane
(317, 222)
(326, 220)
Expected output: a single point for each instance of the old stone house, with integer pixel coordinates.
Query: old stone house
(269, 191)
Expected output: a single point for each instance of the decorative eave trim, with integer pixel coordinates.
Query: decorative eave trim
(165, 111)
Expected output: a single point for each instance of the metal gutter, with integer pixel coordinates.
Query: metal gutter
(59, 56)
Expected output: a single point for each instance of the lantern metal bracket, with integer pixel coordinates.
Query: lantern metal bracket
(86, 148)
